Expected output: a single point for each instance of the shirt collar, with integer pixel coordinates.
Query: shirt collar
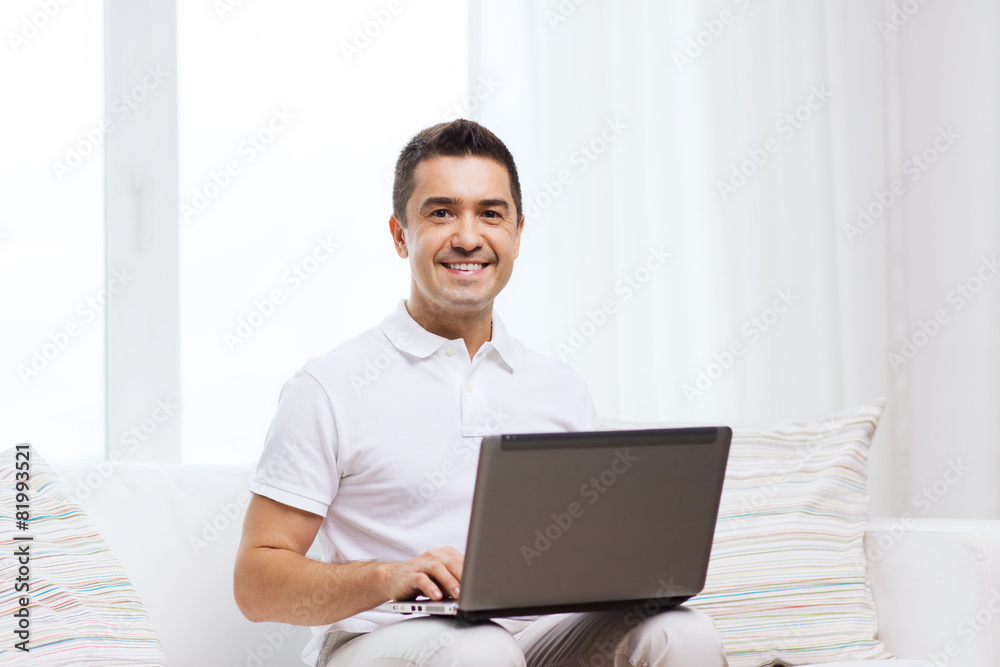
(501, 342)
(409, 337)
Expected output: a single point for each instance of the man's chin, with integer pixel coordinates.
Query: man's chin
(470, 305)
(467, 301)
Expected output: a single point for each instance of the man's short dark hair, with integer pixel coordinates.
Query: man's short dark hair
(458, 138)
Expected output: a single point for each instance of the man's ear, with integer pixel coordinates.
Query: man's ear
(398, 232)
(517, 237)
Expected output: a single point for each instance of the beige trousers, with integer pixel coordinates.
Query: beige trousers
(677, 637)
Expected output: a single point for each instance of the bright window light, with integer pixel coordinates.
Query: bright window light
(291, 116)
(52, 286)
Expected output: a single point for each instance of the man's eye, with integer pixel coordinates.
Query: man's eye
(440, 213)
(492, 214)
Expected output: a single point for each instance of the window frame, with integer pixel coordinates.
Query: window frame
(141, 223)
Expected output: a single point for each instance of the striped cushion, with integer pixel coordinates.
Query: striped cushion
(788, 580)
(83, 610)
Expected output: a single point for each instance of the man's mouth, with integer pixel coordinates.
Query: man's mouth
(464, 266)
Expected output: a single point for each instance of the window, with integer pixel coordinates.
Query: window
(52, 227)
(288, 119)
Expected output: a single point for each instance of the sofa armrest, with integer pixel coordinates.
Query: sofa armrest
(936, 584)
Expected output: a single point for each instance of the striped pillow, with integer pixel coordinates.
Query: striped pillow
(788, 579)
(82, 609)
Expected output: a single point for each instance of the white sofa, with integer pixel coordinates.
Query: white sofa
(176, 528)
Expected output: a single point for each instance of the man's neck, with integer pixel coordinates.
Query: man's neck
(474, 327)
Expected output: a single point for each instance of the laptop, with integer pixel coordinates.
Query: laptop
(588, 521)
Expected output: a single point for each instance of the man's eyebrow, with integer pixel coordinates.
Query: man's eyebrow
(497, 203)
(451, 201)
(433, 201)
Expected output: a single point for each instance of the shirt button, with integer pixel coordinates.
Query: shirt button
(468, 388)
(450, 350)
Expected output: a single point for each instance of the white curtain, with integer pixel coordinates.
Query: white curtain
(823, 177)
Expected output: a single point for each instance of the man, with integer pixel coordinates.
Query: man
(381, 467)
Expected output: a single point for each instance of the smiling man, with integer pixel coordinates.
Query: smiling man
(459, 224)
(381, 474)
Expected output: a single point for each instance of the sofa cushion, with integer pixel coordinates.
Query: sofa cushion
(787, 581)
(81, 608)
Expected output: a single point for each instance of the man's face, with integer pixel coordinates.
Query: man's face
(461, 235)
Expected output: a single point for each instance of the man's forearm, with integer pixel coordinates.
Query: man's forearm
(283, 586)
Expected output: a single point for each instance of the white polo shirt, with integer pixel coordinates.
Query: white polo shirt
(381, 437)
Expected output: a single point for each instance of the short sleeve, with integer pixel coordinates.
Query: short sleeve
(299, 464)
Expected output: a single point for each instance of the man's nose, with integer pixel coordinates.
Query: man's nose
(467, 234)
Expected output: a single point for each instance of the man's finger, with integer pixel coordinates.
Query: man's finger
(449, 556)
(444, 577)
(454, 560)
(426, 585)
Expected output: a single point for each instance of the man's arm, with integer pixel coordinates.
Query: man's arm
(274, 581)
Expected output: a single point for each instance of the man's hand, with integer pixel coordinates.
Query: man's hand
(435, 573)
(274, 581)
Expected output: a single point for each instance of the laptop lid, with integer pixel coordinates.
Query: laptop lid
(592, 520)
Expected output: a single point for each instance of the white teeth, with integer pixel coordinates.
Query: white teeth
(465, 267)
